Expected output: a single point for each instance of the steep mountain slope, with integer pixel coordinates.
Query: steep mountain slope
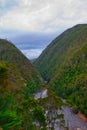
(10, 78)
(60, 50)
(18, 81)
(16, 101)
(64, 64)
(71, 81)
(10, 54)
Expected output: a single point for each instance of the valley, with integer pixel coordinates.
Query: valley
(51, 92)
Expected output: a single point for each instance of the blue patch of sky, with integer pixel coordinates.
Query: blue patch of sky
(32, 40)
(7, 6)
(30, 43)
(9, 33)
(27, 40)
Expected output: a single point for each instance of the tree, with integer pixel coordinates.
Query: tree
(39, 115)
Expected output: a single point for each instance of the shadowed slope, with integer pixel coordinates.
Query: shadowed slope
(10, 54)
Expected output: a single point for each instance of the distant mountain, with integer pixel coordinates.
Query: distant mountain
(10, 54)
(63, 64)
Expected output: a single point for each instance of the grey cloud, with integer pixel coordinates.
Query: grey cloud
(44, 16)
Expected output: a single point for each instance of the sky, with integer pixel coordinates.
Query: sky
(40, 20)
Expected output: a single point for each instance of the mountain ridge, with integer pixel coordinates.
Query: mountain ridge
(63, 65)
(12, 55)
(61, 39)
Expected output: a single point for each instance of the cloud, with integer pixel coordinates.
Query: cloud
(6, 6)
(19, 17)
(41, 16)
(32, 53)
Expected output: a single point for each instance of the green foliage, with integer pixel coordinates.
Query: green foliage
(9, 119)
(16, 115)
(32, 88)
(8, 115)
(3, 69)
(39, 115)
(31, 112)
(3, 74)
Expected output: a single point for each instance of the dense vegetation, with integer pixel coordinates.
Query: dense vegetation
(71, 81)
(63, 64)
(18, 82)
(18, 109)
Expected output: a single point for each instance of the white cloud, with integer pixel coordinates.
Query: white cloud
(32, 53)
(43, 16)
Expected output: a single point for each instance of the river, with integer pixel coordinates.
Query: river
(71, 119)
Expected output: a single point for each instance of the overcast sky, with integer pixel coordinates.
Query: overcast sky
(19, 17)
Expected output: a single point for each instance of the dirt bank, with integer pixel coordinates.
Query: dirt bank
(81, 116)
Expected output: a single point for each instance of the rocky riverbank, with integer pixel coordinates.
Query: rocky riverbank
(60, 119)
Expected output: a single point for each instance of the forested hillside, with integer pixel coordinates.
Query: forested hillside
(10, 54)
(63, 64)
